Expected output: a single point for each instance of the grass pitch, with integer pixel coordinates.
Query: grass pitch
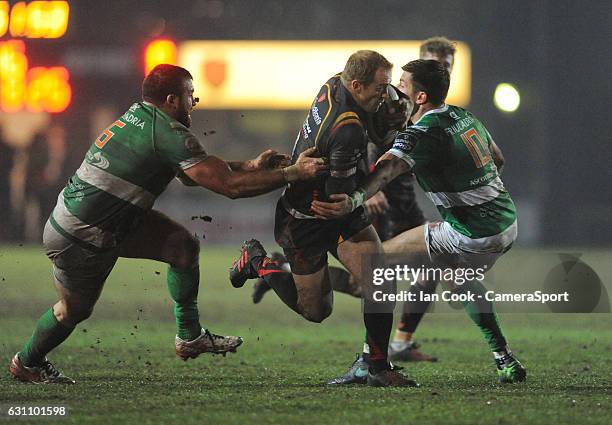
(123, 358)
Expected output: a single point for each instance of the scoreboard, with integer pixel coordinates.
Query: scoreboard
(22, 86)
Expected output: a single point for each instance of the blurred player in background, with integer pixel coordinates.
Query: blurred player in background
(335, 126)
(456, 163)
(105, 212)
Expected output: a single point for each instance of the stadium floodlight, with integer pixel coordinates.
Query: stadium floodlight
(506, 97)
(159, 51)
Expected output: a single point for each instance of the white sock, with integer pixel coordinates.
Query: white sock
(500, 354)
(400, 345)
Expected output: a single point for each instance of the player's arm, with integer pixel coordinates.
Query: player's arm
(266, 160)
(498, 157)
(387, 168)
(396, 161)
(342, 157)
(215, 174)
(496, 153)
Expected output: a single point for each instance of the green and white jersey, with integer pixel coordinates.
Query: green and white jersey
(448, 150)
(124, 171)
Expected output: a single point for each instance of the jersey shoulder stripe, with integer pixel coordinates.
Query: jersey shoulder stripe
(346, 116)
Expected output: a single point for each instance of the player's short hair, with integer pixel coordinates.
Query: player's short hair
(163, 80)
(362, 66)
(439, 46)
(431, 77)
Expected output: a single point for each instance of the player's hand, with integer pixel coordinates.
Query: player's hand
(308, 166)
(397, 116)
(377, 204)
(341, 206)
(270, 159)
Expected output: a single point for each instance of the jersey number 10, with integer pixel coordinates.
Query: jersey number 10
(477, 147)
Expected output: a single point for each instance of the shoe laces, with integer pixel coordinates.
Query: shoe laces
(213, 337)
(358, 359)
(394, 368)
(506, 361)
(49, 371)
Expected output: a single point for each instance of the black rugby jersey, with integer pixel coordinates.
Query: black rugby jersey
(335, 125)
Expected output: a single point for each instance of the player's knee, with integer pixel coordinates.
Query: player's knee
(317, 313)
(72, 315)
(188, 252)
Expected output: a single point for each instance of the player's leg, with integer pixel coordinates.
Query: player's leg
(306, 290)
(410, 242)
(160, 238)
(79, 276)
(443, 240)
(351, 254)
(403, 347)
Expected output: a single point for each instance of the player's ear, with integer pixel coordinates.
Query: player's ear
(172, 99)
(421, 98)
(356, 85)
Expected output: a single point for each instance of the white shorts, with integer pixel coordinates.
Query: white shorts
(447, 246)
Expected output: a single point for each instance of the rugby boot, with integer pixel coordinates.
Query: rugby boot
(408, 352)
(390, 378)
(206, 343)
(261, 286)
(357, 374)
(246, 267)
(510, 370)
(46, 373)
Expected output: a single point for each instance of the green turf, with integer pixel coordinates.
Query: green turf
(123, 358)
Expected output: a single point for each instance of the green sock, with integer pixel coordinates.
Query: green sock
(183, 286)
(48, 334)
(483, 314)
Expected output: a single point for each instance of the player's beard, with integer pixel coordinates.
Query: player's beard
(184, 118)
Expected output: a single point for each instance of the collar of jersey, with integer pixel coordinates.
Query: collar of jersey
(433, 111)
(159, 111)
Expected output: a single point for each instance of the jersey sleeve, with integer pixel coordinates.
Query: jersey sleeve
(405, 144)
(344, 154)
(178, 146)
(416, 145)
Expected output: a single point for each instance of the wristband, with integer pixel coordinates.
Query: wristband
(291, 173)
(357, 198)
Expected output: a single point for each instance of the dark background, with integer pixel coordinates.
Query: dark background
(557, 53)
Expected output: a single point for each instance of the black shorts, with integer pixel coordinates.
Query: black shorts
(306, 242)
(398, 219)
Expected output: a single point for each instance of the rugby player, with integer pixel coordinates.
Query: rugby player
(393, 210)
(454, 159)
(335, 126)
(105, 212)
(396, 210)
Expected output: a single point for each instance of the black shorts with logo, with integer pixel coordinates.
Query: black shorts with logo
(306, 241)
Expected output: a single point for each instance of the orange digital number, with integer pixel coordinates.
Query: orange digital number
(108, 134)
(477, 147)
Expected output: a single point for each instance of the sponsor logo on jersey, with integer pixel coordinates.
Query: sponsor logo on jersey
(321, 98)
(98, 160)
(459, 126)
(315, 115)
(306, 129)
